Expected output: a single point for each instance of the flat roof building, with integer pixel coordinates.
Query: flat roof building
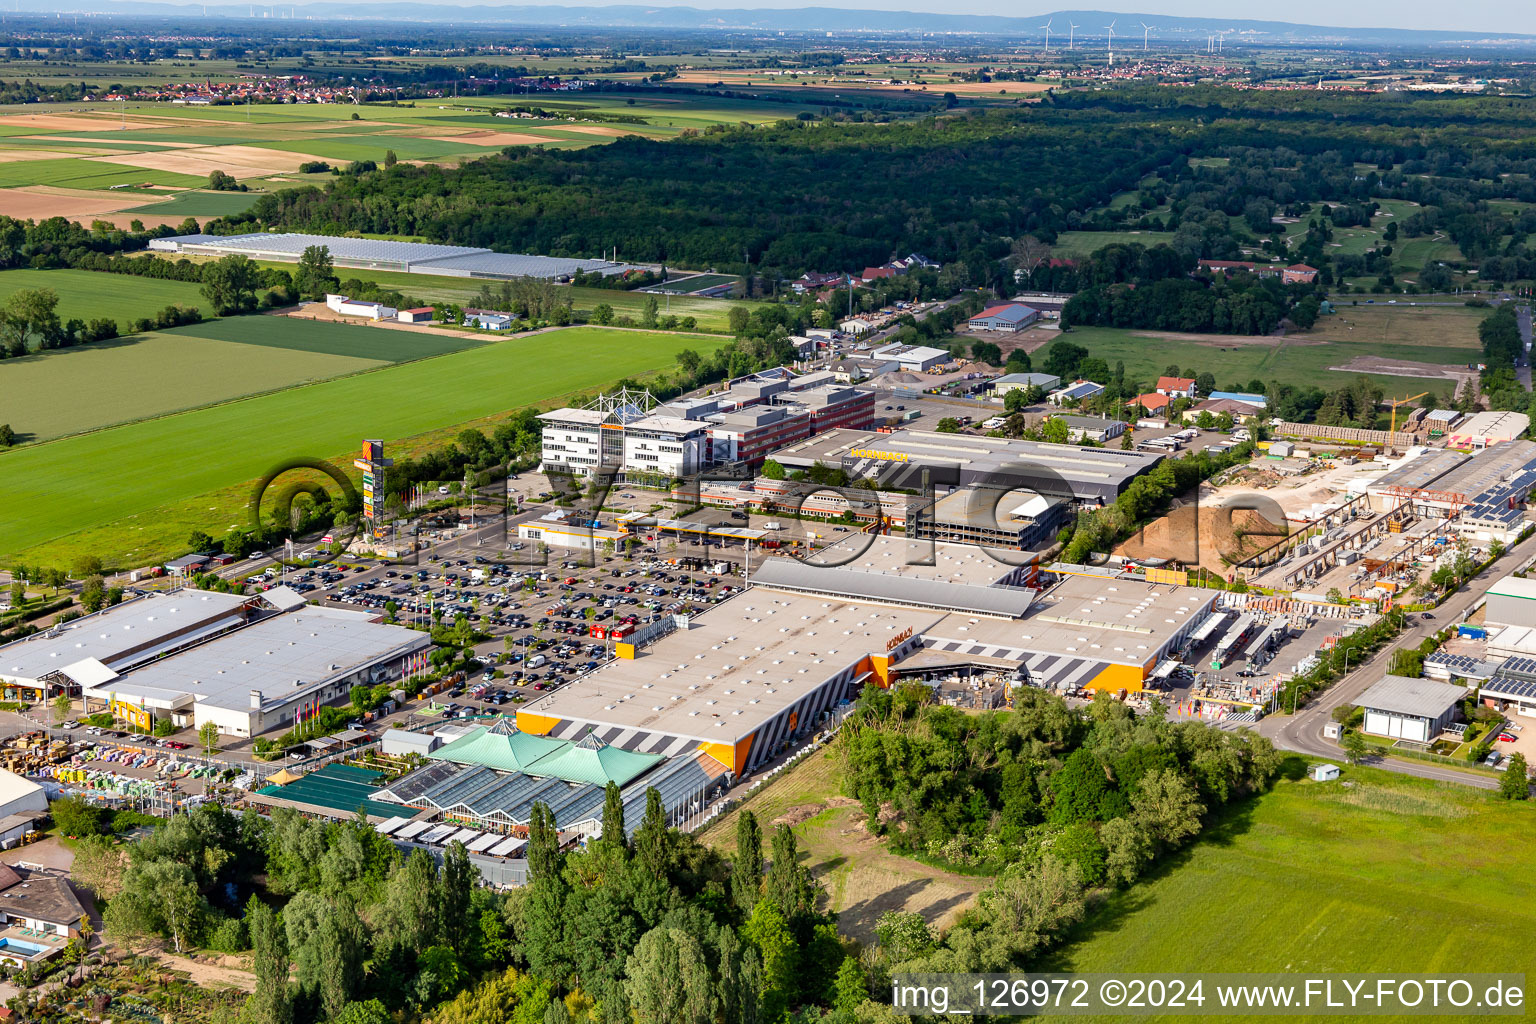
(260, 677)
(1417, 710)
(901, 458)
(384, 254)
(95, 647)
(1485, 429)
(754, 674)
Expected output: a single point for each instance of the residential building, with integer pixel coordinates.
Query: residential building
(1176, 387)
(1154, 403)
(1298, 273)
(39, 914)
(856, 326)
(1246, 397)
(1241, 412)
(1009, 316)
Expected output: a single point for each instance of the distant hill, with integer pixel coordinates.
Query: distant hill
(1091, 24)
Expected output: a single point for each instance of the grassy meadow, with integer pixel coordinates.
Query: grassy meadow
(1374, 872)
(132, 493)
(1441, 335)
(68, 391)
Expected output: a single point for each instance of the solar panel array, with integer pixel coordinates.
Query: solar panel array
(508, 797)
(1505, 686)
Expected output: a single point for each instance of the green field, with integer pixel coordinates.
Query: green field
(1082, 243)
(88, 295)
(1439, 335)
(194, 204)
(1374, 873)
(71, 390)
(134, 492)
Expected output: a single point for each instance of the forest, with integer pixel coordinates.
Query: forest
(966, 185)
(1060, 806)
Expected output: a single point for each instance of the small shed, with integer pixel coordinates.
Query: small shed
(403, 741)
(1324, 772)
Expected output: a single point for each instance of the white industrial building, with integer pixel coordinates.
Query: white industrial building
(264, 675)
(918, 358)
(1417, 710)
(344, 306)
(385, 254)
(87, 650)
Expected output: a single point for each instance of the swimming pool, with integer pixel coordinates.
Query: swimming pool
(22, 946)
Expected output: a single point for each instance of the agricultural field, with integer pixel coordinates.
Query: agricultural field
(1374, 873)
(68, 391)
(193, 470)
(863, 879)
(89, 295)
(147, 161)
(1422, 340)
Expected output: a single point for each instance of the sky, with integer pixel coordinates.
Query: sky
(1462, 16)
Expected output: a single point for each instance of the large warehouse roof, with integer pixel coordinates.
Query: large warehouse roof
(1047, 468)
(854, 584)
(120, 635)
(281, 657)
(738, 666)
(411, 257)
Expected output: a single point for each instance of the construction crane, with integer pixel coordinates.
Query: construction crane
(1399, 401)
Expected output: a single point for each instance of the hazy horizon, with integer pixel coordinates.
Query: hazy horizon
(1472, 16)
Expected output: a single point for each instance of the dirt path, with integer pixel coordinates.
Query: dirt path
(862, 878)
(210, 975)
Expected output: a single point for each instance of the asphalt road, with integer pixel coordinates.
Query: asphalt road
(1303, 732)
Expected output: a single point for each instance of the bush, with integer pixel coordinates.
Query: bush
(229, 936)
(75, 817)
(164, 727)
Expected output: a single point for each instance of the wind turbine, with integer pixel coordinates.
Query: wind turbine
(1047, 27)
(1221, 42)
(1145, 31)
(1111, 27)
(1072, 35)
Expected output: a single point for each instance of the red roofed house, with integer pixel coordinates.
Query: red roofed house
(1298, 273)
(1176, 387)
(419, 315)
(875, 273)
(1153, 403)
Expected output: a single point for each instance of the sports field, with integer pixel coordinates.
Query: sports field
(89, 295)
(71, 390)
(1374, 873)
(1437, 335)
(134, 492)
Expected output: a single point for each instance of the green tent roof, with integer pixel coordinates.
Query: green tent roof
(502, 746)
(593, 761)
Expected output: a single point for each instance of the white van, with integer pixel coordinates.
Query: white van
(537, 661)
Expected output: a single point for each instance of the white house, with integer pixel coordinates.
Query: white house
(856, 326)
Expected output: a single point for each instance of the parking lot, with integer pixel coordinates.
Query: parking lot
(537, 627)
